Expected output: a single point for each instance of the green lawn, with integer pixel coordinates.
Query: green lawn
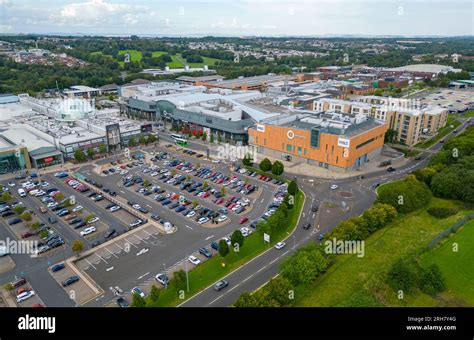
(179, 62)
(134, 54)
(441, 133)
(157, 54)
(468, 114)
(457, 267)
(102, 54)
(353, 281)
(175, 62)
(212, 270)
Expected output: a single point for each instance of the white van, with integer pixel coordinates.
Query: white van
(25, 296)
(21, 192)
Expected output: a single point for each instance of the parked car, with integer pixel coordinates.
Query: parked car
(121, 302)
(204, 251)
(194, 260)
(57, 267)
(69, 281)
(136, 290)
(162, 278)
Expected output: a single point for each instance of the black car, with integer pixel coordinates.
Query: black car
(108, 206)
(390, 169)
(113, 193)
(92, 194)
(52, 219)
(69, 281)
(7, 213)
(143, 210)
(57, 267)
(80, 225)
(314, 208)
(75, 221)
(215, 245)
(110, 233)
(155, 217)
(121, 302)
(307, 226)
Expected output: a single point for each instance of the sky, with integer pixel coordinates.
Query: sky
(239, 17)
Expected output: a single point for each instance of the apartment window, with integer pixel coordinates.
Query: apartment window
(299, 150)
(288, 148)
(337, 159)
(305, 151)
(365, 143)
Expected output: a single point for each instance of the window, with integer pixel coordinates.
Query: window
(299, 150)
(365, 143)
(288, 147)
(305, 151)
(256, 138)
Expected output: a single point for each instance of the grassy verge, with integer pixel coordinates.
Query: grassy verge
(212, 270)
(157, 54)
(268, 174)
(456, 266)
(441, 133)
(468, 114)
(353, 281)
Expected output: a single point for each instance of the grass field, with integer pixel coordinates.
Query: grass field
(457, 267)
(441, 133)
(468, 114)
(157, 54)
(212, 270)
(354, 281)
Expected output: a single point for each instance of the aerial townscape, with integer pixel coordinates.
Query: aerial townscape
(234, 170)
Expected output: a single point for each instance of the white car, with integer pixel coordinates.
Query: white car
(136, 290)
(95, 219)
(135, 223)
(11, 184)
(136, 206)
(45, 184)
(191, 214)
(216, 161)
(40, 193)
(114, 208)
(334, 187)
(194, 260)
(25, 296)
(33, 192)
(280, 245)
(21, 192)
(88, 231)
(78, 208)
(153, 174)
(228, 241)
(203, 220)
(222, 218)
(245, 231)
(52, 204)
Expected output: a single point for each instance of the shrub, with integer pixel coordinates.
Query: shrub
(431, 280)
(402, 276)
(442, 212)
(265, 164)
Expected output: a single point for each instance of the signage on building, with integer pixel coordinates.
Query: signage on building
(343, 142)
(260, 128)
(290, 134)
(48, 159)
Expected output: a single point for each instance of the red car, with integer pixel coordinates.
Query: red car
(230, 198)
(220, 200)
(232, 205)
(206, 194)
(242, 220)
(27, 234)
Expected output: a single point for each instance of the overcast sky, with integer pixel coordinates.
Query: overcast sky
(239, 17)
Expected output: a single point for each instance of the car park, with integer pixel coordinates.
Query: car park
(88, 231)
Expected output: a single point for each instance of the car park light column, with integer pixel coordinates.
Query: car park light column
(187, 276)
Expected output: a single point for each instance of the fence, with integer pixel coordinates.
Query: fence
(450, 230)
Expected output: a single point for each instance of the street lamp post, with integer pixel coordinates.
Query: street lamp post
(166, 278)
(187, 276)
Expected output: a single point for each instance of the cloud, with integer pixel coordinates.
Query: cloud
(97, 12)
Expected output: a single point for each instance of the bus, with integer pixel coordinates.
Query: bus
(178, 136)
(181, 141)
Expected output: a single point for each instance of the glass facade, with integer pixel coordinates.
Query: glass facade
(9, 162)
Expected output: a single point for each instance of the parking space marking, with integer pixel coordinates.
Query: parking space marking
(109, 269)
(189, 227)
(142, 276)
(138, 237)
(111, 253)
(149, 234)
(100, 257)
(128, 242)
(90, 264)
(209, 237)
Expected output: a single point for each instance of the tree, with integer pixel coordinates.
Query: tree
(6, 196)
(304, 266)
(59, 197)
(247, 160)
(26, 216)
(205, 184)
(277, 168)
(89, 218)
(223, 248)
(90, 153)
(43, 234)
(151, 138)
(390, 136)
(77, 246)
(431, 280)
(132, 142)
(142, 140)
(154, 293)
(102, 148)
(223, 191)
(18, 209)
(79, 155)
(146, 183)
(178, 282)
(278, 290)
(211, 138)
(265, 164)
(204, 136)
(137, 300)
(401, 276)
(174, 172)
(246, 299)
(293, 188)
(425, 174)
(36, 225)
(194, 203)
(237, 237)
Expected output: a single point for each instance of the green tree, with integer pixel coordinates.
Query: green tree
(146, 183)
(204, 136)
(194, 203)
(6, 196)
(132, 142)
(223, 248)
(205, 185)
(223, 191)
(43, 234)
(154, 293)
(36, 225)
(211, 138)
(18, 209)
(79, 155)
(293, 188)
(237, 237)
(304, 266)
(431, 280)
(137, 300)
(247, 160)
(26, 216)
(425, 174)
(90, 153)
(142, 140)
(178, 282)
(390, 136)
(265, 164)
(89, 217)
(59, 197)
(277, 168)
(102, 148)
(151, 139)
(401, 276)
(278, 290)
(246, 299)
(77, 246)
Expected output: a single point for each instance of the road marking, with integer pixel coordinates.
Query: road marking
(217, 298)
(258, 271)
(90, 264)
(209, 237)
(149, 234)
(248, 278)
(109, 269)
(149, 206)
(111, 253)
(233, 288)
(119, 246)
(142, 276)
(138, 237)
(273, 261)
(100, 257)
(123, 192)
(143, 251)
(189, 227)
(130, 243)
